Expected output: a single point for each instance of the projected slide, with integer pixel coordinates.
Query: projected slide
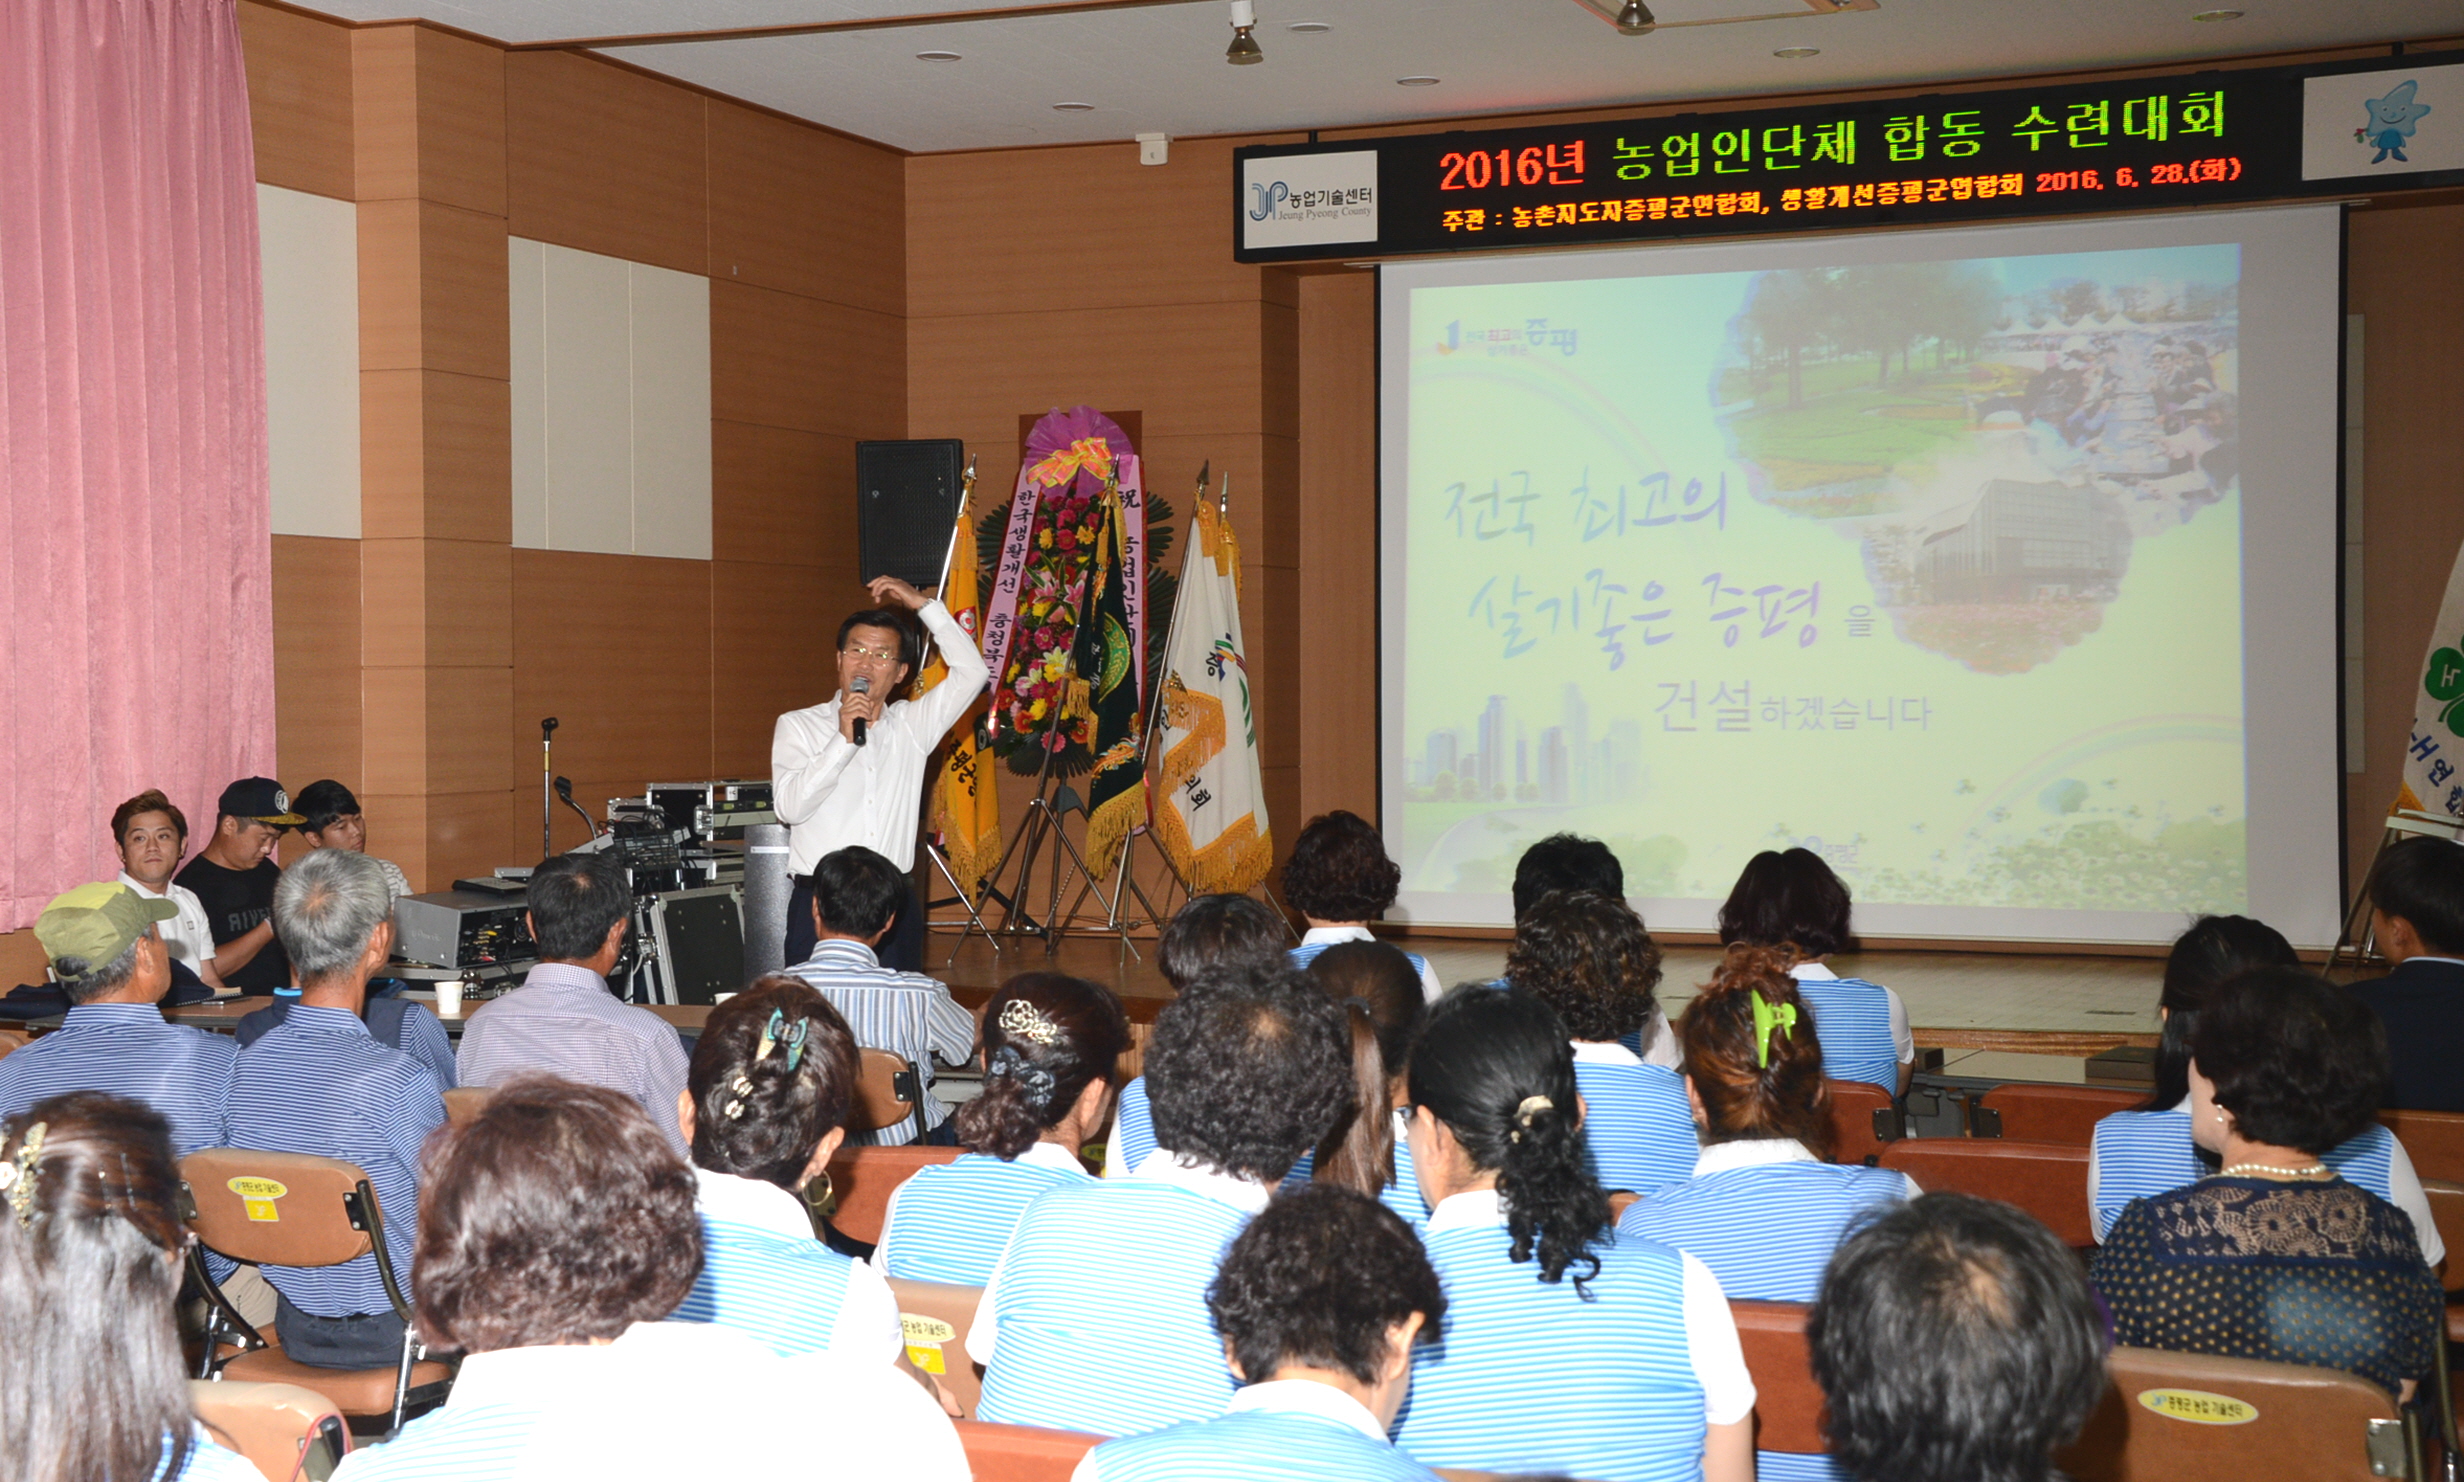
(1931, 562)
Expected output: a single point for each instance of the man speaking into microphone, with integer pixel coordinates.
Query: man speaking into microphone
(851, 769)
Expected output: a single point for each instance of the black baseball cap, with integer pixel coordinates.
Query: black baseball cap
(259, 800)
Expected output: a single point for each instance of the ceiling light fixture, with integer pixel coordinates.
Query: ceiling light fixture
(1309, 28)
(1797, 53)
(1073, 108)
(1415, 82)
(936, 56)
(1244, 52)
(1636, 19)
(2217, 15)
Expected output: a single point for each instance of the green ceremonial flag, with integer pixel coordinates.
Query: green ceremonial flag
(1105, 658)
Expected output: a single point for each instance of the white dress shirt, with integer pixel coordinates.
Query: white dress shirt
(188, 935)
(832, 793)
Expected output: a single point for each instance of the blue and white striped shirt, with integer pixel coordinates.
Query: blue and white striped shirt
(908, 1014)
(416, 1030)
(1273, 1431)
(125, 1049)
(1637, 1121)
(1533, 1378)
(564, 1021)
(318, 1084)
(1105, 1269)
(764, 1275)
(949, 1222)
(208, 1462)
(1403, 1194)
(1318, 938)
(2138, 1155)
(1863, 1026)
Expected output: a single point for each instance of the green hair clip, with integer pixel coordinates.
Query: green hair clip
(1768, 1017)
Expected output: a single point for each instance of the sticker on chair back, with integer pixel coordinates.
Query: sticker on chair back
(925, 1335)
(2198, 1406)
(257, 1195)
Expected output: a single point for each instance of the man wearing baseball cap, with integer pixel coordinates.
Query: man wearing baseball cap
(234, 878)
(108, 957)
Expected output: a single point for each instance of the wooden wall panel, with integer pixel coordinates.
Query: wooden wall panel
(1337, 530)
(299, 99)
(806, 212)
(782, 497)
(783, 360)
(605, 160)
(1192, 368)
(771, 628)
(316, 658)
(443, 467)
(618, 648)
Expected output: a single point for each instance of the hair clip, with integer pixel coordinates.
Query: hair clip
(17, 1176)
(1524, 1111)
(1768, 1017)
(1024, 1021)
(795, 1044)
(741, 1086)
(769, 1036)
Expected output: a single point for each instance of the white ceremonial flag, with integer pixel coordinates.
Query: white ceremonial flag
(2434, 753)
(1213, 822)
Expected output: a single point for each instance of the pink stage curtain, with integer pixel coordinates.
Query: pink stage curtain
(136, 620)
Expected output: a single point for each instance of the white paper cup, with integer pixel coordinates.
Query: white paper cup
(449, 998)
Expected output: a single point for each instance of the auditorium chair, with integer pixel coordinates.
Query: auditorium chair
(465, 1102)
(2433, 1140)
(11, 1039)
(288, 1433)
(2047, 1179)
(1864, 1120)
(936, 1316)
(1788, 1404)
(1022, 1453)
(861, 1180)
(888, 1091)
(2039, 1113)
(2447, 1213)
(2174, 1417)
(290, 1209)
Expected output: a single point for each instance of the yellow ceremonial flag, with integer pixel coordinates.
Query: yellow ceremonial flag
(966, 807)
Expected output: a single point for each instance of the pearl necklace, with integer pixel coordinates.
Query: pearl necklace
(2313, 1171)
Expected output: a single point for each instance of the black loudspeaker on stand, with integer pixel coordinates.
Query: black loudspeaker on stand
(907, 498)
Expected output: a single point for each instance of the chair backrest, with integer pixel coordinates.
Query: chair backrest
(2047, 1179)
(2447, 1213)
(2032, 1113)
(465, 1102)
(2433, 1140)
(936, 1317)
(10, 1039)
(1022, 1453)
(1864, 1120)
(1788, 1404)
(861, 1180)
(887, 1090)
(272, 1425)
(2172, 1416)
(279, 1209)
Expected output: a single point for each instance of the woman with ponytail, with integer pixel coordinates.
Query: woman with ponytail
(1050, 1044)
(764, 1106)
(1570, 1348)
(1380, 992)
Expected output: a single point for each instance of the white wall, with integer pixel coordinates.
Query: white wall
(309, 248)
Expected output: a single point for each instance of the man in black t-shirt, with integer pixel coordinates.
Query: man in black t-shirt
(234, 879)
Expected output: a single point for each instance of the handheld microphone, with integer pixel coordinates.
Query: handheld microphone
(862, 685)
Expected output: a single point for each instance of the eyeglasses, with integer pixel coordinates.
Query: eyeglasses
(859, 651)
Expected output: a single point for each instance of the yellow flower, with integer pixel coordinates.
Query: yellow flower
(1036, 711)
(1041, 608)
(1044, 538)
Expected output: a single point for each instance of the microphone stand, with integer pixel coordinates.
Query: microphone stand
(547, 778)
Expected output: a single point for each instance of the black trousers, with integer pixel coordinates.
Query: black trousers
(902, 949)
(371, 1341)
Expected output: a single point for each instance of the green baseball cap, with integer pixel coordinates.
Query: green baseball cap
(97, 922)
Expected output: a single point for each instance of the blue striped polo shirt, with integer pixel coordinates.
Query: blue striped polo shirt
(317, 1083)
(2138, 1155)
(1273, 1431)
(764, 1275)
(1095, 1319)
(1863, 1027)
(1403, 1194)
(1531, 1377)
(908, 1014)
(949, 1221)
(1636, 1119)
(1318, 938)
(208, 1462)
(125, 1049)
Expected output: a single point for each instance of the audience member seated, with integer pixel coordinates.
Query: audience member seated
(394, 1021)
(335, 822)
(563, 1019)
(856, 896)
(1320, 1303)
(1792, 899)
(1572, 862)
(2149, 1151)
(234, 880)
(773, 1075)
(90, 1250)
(1587, 956)
(1340, 880)
(1050, 1044)
(1568, 1348)
(107, 955)
(1955, 1341)
(2275, 1257)
(151, 835)
(1379, 990)
(2417, 918)
(1095, 1317)
(319, 1084)
(1211, 931)
(559, 1231)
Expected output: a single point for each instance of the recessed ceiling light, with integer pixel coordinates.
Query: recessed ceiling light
(1415, 82)
(1797, 53)
(937, 56)
(2217, 15)
(1309, 28)
(1073, 108)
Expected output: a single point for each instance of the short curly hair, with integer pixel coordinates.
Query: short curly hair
(1339, 870)
(1588, 956)
(1247, 1070)
(2298, 1061)
(1317, 1280)
(559, 1214)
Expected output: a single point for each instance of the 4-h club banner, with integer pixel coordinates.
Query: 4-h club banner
(2434, 753)
(1213, 818)
(966, 808)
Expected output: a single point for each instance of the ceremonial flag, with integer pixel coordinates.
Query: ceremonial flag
(966, 808)
(1106, 689)
(1213, 822)
(2434, 753)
